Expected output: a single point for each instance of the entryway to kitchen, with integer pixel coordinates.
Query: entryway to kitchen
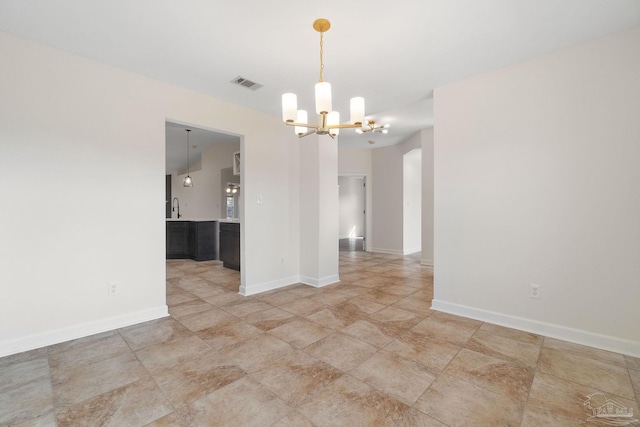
(202, 208)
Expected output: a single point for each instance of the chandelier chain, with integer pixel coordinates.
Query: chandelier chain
(321, 51)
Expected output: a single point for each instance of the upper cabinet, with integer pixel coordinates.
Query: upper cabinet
(236, 163)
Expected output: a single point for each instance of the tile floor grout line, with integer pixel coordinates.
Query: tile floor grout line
(534, 369)
(175, 410)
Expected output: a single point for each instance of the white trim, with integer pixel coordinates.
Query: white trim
(288, 281)
(56, 336)
(387, 251)
(318, 283)
(268, 286)
(578, 336)
(411, 251)
(426, 262)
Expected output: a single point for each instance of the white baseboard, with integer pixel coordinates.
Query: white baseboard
(411, 251)
(268, 286)
(318, 283)
(288, 281)
(426, 262)
(73, 332)
(565, 333)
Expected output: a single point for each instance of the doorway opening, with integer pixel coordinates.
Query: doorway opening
(353, 210)
(194, 214)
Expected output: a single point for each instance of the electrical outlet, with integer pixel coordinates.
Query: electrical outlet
(534, 291)
(113, 289)
(282, 260)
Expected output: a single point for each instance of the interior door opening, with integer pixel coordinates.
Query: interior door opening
(353, 204)
(196, 215)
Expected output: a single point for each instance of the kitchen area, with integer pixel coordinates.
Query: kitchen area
(202, 200)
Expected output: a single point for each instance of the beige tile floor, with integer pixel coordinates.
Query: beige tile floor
(368, 351)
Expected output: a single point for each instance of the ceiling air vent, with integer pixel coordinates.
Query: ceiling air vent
(241, 81)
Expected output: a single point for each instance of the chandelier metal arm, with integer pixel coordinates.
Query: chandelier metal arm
(307, 125)
(345, 126)
(323, 128)
(304, 125)
(324, 125)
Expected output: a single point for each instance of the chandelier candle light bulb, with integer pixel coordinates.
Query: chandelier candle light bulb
(323, 97)
(357, 109)
(289, 107)
(329, 119)
(333, 119)
(301, 117)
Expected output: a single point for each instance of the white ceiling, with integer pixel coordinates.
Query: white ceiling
(392, 53)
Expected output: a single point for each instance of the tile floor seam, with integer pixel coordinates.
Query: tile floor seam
(250, 375)
(54, 411)
(586, 386)
(423, 393)
(426, 367)
(274, 391)
(168, 400)
(441, 373)
(239, 318)
(636, 389)
(533, 378)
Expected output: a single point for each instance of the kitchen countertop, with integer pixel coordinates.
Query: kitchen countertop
(202, 219)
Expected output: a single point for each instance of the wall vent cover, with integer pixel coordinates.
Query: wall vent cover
(241, 81)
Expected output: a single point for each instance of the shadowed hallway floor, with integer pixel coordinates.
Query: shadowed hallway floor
(368, 351)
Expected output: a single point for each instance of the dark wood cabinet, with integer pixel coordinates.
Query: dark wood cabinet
(203, 240)
(177, 239)
(230, 245)
(197, 240)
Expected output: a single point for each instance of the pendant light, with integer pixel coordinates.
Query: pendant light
(188, 182)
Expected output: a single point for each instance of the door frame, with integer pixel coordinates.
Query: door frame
(368, 207)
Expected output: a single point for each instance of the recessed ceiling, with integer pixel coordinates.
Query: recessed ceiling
(392, 53)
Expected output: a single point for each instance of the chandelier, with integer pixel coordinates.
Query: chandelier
(373, 128)
(329, 120)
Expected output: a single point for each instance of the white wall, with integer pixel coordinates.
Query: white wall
(82, 145)
(427, 197)
(352, 206)
(203, 200)
(536, 181)
(354, 162)
(387, 194)
(412, 201)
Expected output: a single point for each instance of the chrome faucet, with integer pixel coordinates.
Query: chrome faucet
(173, 208)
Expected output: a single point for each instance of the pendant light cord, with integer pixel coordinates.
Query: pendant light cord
(188, 165)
